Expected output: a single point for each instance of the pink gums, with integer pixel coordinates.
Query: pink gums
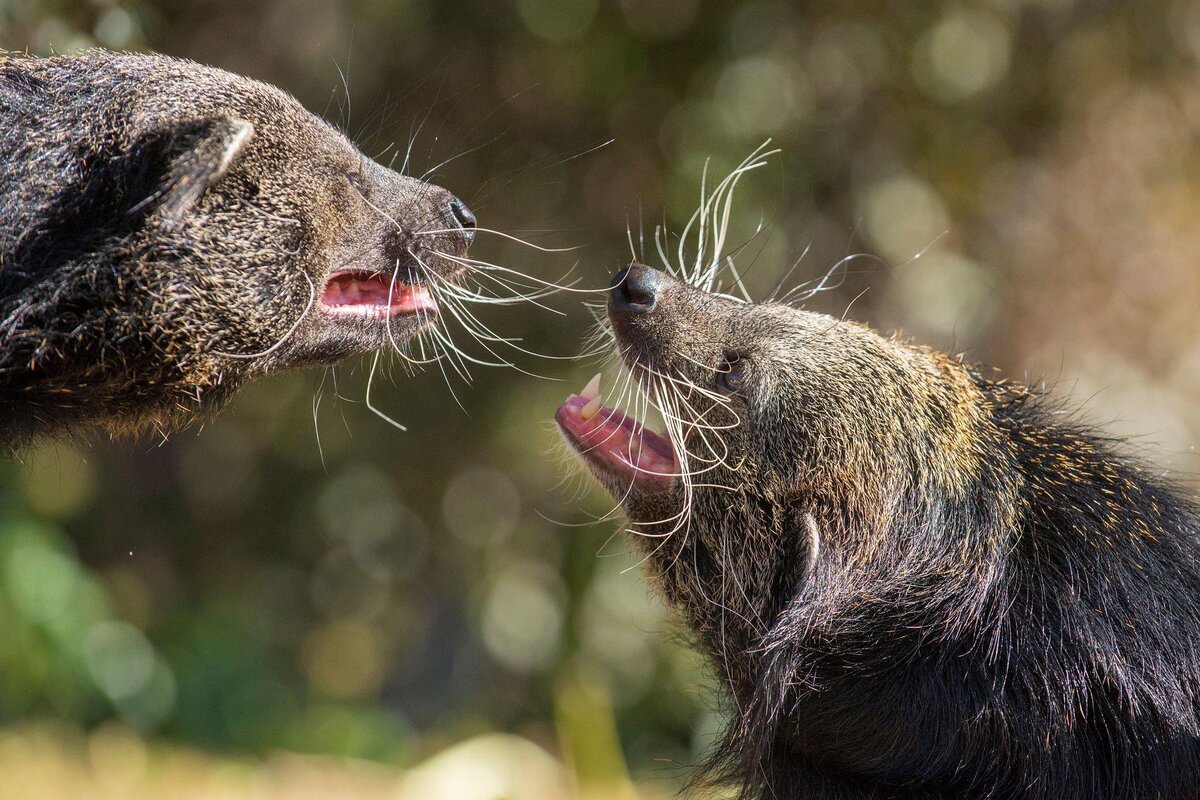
(374, 295)
(619, 443)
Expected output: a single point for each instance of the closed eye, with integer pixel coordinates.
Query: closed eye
(731, 374)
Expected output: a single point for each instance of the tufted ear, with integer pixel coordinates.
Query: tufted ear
(812, 545)
(198, 157)
(791, 587)
(805, 530)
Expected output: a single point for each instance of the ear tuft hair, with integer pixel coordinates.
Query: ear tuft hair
(204, 155)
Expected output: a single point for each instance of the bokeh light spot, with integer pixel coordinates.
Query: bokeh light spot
(965, 53)
(481, 506)
(903, 216)
(41, 580)
(764, 94)
(946, 292)
(620, 625)
(522, 619)
(115, 28)
(119, 658)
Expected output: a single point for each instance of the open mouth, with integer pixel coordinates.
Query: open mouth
(616, 443)
(374, 295)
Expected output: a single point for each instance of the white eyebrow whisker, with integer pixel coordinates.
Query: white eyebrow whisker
(708, 228)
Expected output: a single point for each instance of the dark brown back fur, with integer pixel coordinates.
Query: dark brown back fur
(1003, 604)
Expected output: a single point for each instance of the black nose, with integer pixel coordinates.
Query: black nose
(463, 216)
(635, 289)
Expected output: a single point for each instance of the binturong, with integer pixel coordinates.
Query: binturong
(914, 580)
(169, 231)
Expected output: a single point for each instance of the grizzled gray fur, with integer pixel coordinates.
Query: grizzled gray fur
(166, 230)
(915, 581)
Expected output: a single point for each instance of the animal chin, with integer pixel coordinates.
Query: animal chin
(620, 448)
(373, 295)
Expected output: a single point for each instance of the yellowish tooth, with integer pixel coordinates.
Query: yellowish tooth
(590, 410)
(592, 389)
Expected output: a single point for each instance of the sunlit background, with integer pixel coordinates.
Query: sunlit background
(300, 600)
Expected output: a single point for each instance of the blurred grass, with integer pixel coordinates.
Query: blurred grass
(42, 762)
(47, 760)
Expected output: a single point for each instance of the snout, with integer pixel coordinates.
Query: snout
(635, 290)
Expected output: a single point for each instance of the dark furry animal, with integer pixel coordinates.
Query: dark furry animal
(916, 581)
(169, 231)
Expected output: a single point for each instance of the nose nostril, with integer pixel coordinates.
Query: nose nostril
(463, 216)
(634, 288)
(619, 278)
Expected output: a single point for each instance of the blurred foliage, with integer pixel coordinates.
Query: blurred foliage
(1017, 179)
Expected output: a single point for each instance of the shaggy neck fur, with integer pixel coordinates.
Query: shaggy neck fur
(967, 629)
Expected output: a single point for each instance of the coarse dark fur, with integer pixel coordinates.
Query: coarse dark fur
(166, 229)
(916, 581)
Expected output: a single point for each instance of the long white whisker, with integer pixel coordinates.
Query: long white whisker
(518, 240)
(370, 405)
(487, 266)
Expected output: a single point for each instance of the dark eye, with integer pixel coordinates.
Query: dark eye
(731, 374)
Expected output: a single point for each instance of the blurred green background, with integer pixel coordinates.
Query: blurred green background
(300, 600)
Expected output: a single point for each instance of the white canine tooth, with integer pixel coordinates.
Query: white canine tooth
(590, 410)
(592, 389)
